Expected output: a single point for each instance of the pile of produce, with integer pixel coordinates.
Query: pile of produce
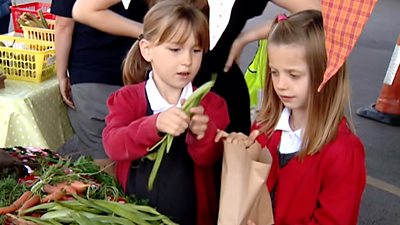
(38, 186)
(29, 20)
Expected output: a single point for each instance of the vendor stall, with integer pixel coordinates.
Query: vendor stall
(33, 115)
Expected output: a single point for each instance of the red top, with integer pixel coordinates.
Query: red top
(325, 188)
(129, 133)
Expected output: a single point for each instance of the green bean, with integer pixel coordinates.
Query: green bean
(120, 211)
(62, 215)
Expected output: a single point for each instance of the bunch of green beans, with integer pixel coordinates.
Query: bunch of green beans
(84, 211)
(166, 142)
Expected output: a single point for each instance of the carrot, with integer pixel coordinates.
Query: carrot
(34, 200)
(67, 198)
(57, 195)
(69, 190)
(17, 204)
(79, 186)
(48, 188)
(13, 219)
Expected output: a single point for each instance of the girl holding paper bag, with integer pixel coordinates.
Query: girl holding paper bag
(318, 172)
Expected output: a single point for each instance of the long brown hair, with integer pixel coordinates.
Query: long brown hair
(325, 108)
(161, 24)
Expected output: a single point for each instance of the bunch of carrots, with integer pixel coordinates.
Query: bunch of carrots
(61, 191)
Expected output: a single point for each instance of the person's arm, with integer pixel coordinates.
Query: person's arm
(342, 185)
(64, 28)
(261, 31)
(5, 8)
(129, 132)
(293, 6)
(97, 14)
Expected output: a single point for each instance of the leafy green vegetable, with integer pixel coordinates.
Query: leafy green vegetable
(10, 191)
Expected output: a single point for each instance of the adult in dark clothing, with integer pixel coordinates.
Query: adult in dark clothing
(4, 15)
(89, 70)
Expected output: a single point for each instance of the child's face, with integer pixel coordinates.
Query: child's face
(174, 65)
(290, 74)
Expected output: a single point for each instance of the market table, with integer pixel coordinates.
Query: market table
(33, 115)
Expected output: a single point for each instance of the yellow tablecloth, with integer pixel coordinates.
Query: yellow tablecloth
(33, 115)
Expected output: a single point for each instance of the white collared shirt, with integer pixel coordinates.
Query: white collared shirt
(290, 140)
(157, 102)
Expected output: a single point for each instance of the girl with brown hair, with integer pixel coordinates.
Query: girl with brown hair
(175, 36)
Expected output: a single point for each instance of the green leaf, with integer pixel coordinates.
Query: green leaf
(156, 165)
(158, 143)
(170, 139)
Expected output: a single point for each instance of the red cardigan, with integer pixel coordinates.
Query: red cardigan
(325, 188)
(129, 133)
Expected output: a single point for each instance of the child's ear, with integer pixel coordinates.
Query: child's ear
(145, 49)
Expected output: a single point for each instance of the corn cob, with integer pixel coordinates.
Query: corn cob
(166, 142)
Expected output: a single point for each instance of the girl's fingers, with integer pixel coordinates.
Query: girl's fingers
(249, 222)
(197, 110)
(252, 138)
(200, 136)
(220, 135)
(182, 101)
(236, 137)
(173, 121)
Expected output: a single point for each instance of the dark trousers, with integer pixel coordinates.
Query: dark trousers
(4, 24)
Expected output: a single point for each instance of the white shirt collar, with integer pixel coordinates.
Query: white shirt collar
(157, 102)
(126, 3)
(283, 122)
(290, 140)
(220, 13)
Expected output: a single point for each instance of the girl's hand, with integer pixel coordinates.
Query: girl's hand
(249, 222)
(221, 135)
(234, 53)
(198, 122)
(238, 138)
(173, 121)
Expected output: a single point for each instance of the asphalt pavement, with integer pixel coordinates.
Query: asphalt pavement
(367, 65)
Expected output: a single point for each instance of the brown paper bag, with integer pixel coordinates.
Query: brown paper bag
(244, 194)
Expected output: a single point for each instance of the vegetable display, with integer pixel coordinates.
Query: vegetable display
(58, 191)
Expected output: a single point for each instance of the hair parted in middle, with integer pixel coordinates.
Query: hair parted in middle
(162, 23)
(326, 108)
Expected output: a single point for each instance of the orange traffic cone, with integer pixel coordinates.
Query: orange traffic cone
(387, 107)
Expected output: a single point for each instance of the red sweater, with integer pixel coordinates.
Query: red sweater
(129, 133)
(325, 188)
